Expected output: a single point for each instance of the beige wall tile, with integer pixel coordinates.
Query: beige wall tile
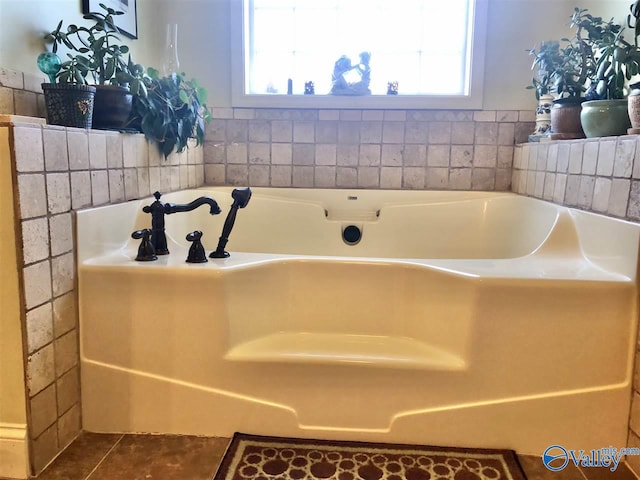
(417, 132)
(505, 157)
(237, 153)
(606, 156)
(372, 115)
(129, 151)
(40, 370)
(39, 327)
(393, 132)
(259, 175)
(571, 192)
(486, 133)
(391, 177)
(531, 182)
(437, 156)
(61, 231)
(281, 175)
(6, 101)
(324, 177)
(463, 133)
(25, 103)
(28, 149)
(302, 176)
(328, 114)
(143, 182)
(351, 115)
(56, 156)
(619, 197)
(260, 153)
(623, 163)
(369, 155)
(559, 188)
(131, 183)
(69, 426)
(78, 145)
(549, 186)
(97, 150)
(395, 115)
(237, 131)
(563, 157)
(174, 177)
(601, 192)
(543, 156)
(590, 158)
(154, 181)
(437, 177)
(37, 284)
(80, 189)
(281, 131)
(486, 116)
(503, 179)
(347, 155)
(35, 240)
(11, 78)
(539, 188)
(237, 175)
(485, 156)
(32, 195)
(327, 132)
(155, 155)
(200, 174)
(282, 154)
(43, 411)
(116, 186)
(461, 155)
(65, 315)
(63, 274)
(460, 178)
(44, 448)
(68, 390)
(184, 176)
(259, 131)
(66, 352)
(391, 156)
(483, 179)
(585, 193)
(552, 158)
(142, 150)
(413, 177)
(214, 174)
(33, 83)
(58, 192)
(99, 187)
(347, 177)
(304, 132)
(371, 132)
(114, 151)
(348, 133)
(575, 157)
(368, 177)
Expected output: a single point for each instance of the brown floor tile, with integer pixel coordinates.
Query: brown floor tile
(162, 457)
(621, 473)
(81, 457)
(534, 469)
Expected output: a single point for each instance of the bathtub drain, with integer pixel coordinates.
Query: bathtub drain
(351, 234)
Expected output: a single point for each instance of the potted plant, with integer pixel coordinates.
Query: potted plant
(68, 101)
(633, 21)
(99, 55)
(606, 112)
(172, 112)
(544, 64)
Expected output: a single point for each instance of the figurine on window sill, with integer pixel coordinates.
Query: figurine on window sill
(351, 79)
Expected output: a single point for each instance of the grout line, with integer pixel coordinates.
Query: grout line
(104, 457)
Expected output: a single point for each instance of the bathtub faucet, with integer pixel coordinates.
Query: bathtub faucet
(241, 197)
(158, 210)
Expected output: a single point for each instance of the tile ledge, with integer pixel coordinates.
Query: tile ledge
(20, 119)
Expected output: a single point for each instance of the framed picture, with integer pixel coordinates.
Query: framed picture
(127, 23)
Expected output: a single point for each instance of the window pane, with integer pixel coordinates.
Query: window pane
(422, 44)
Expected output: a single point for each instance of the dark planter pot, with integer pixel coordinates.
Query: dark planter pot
(112, 107)
(69, 105)
(605, 118)
(565, 119)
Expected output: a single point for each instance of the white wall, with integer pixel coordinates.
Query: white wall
(23, 23)
(204, 31)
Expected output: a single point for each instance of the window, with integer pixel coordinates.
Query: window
(431, 48)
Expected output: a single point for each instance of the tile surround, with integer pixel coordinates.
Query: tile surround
(414, 149)
(59, 170)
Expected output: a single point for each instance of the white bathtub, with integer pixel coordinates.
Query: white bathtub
(460, 319)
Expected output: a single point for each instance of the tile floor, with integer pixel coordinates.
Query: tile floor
(95, 456)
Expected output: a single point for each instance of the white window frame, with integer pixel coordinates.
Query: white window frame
(472, 101)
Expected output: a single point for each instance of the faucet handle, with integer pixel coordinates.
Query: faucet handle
(146, 251)
(196, 251)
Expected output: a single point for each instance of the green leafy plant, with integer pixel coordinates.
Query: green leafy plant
(96, 52)
(173, 111)
(545, 62)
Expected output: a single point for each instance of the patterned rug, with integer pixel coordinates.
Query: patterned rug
(251, 457)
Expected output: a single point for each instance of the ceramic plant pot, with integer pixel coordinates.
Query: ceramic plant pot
(633, 107)
(69, 105)
(605, 118)
(112, 108)
(565, 119)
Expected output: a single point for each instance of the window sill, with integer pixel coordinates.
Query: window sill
(377, 102)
